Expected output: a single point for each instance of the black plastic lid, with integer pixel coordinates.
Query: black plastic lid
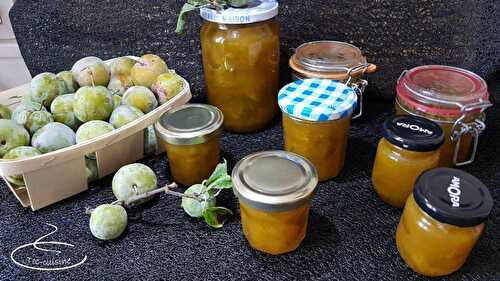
(453, 196)
(413, 133)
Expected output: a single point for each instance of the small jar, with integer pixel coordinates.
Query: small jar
(335, 61)
(191, 135)
(241, 55)
(316, 119)
(410, 146)
(274, 189)
(454, 98)
(442, 221)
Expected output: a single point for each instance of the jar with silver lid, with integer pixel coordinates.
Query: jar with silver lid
(191, 136)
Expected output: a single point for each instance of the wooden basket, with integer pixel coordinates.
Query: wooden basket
(57, 175)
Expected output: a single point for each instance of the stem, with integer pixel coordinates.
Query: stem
(167, 189)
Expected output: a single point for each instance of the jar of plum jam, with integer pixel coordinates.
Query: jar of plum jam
(241, 54)
(191, 136)
(335, 61)
(409, 147)
(454, 98)
(274, 189)
(316, 120)
(442, 221)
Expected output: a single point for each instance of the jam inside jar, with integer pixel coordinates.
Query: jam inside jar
(442, 221)
(241, 54)
(274, 189)
(191, 136)
(316, 120)
(410, 146)
(454, 98)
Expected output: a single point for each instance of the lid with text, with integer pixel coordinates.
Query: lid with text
(453, 196)
(413, 133)
(254, 11)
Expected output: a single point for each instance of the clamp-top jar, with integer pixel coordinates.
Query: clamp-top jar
(454, 98)
(335, 61)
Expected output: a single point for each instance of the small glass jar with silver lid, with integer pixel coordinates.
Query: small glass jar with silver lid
(274, 189)
(191, 136)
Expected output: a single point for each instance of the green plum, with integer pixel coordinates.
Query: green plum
(117, 101)
(5, 112)
(167, 85)
(91, 169)
(52, 137)
(150, 141)
(146, 69)
(123, 115)
(37, 120)
(62, 111)
(122, 65)
(91, 71)
(12, 135)
(24, 109)
(20, 152)
(133, 179)
(93, 103)
(45, 87)
(194, 208)
(93, 129)
(140, 97)
(108, 221)
(120, 83)
(69, 82)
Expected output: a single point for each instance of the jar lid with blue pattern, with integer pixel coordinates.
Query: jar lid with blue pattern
(317, 100)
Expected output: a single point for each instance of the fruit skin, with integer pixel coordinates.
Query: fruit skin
(69, 82)
(22, 112)
(45, 87)
(117, 101)
(194, 208)
(150, 141)
(5, 112)
(91, 169)
(122, 65)
(91, 71)
(92, 129)
(108, 221)
(140, 97)
(52, 137)
(62, 111)
(93, 103)
(12, 135)
(123, 115)
(120, 83)
(133, 179)
(146, 69)
(37, 120)
(167, 86)
(20, 152)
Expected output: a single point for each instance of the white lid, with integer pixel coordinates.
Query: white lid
(255, 11)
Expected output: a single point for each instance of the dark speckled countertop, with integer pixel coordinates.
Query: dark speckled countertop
(351, 233)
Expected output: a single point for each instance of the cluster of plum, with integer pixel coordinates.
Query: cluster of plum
(92, 99)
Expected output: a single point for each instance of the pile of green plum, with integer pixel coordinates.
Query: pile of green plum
(91, 100)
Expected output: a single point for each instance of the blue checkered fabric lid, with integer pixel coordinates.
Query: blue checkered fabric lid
(317, 100)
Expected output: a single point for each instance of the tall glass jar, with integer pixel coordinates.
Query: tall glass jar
(241, 53)
(454, 98)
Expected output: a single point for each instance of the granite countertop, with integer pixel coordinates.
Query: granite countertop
(351, 231)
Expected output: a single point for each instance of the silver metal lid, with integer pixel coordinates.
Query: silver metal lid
(189, 124)
(274, 180)
(254, 11)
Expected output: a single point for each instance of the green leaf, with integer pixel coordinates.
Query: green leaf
(181, 20)
(216, 216)
(219, 172)
(223, 182)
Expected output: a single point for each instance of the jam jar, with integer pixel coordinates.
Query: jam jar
(316, 120)
(274, 189)
(442, 221)
(454, 98)
(241, 54)
(409, 147)
(191, 136)
(332, 60)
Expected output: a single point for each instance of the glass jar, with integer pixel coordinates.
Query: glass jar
(241, 54)
(274, 189)
(409, 147)
(335, 61)
(316, 119)
(442, 221)
(191, 136)
(454, 98)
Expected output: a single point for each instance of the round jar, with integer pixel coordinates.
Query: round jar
(442, 221)
(332, 60)
(274, 189)
(191, 136)
(454, 98)
(316, 120)
(410, 146)
(241, 54)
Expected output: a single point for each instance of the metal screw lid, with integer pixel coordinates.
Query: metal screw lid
(274, 180)
(189, 124)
